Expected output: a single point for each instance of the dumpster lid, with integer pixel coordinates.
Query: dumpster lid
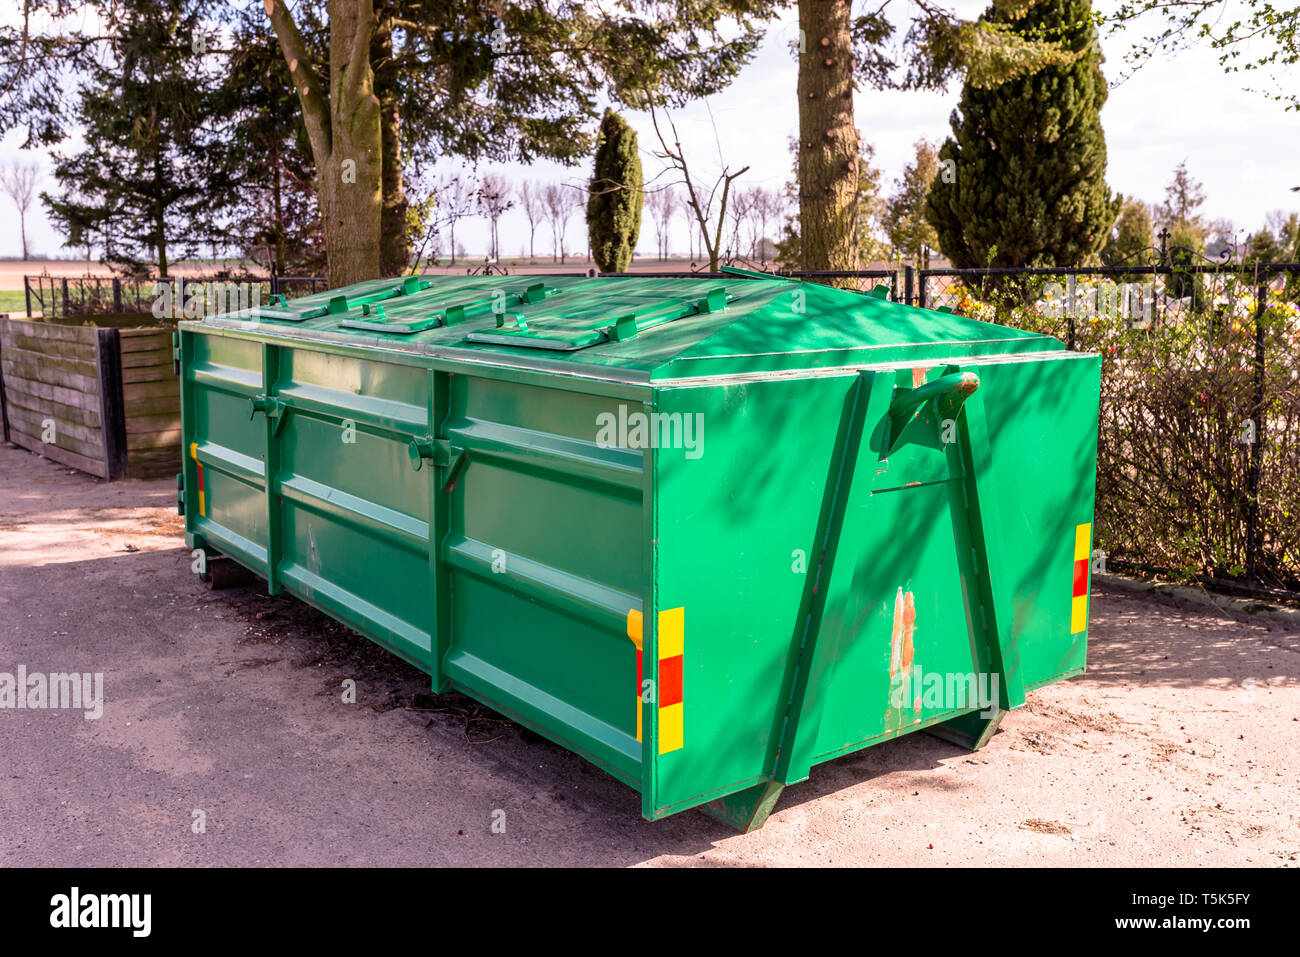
(644, 327)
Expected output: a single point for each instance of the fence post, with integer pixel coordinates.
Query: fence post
(1257, 414)
(65, 295)
(909, 279)
(117, 294)
(27, 290)
(922, 280)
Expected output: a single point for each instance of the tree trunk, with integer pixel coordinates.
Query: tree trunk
(828, 137)
(160, 243)
(22, 228)
(394, 254)
(345, 131)
(277, 212)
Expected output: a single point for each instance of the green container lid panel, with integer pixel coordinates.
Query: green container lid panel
(645, 327)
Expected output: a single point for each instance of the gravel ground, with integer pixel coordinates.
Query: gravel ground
(1180, 746)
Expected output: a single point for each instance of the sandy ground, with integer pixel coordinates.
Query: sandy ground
(1180, 745)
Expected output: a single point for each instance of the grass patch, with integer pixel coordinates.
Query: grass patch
(13, 300)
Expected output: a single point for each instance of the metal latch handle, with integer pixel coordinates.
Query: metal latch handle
(948, 391)
(273, 408)
(951, 389)
(442, 453)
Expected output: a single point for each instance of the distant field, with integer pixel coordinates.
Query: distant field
(13, 300)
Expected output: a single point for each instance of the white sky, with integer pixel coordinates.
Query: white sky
(1241, 145)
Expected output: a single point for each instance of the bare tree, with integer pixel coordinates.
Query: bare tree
(577, 198)
(18, 180)
(742, 206)
(707, 204)
(457, 197)
(494, 199)
(561, 200)
(766, 207)
(684, 207)
(654, 202)
(533, 202)
(662, 204)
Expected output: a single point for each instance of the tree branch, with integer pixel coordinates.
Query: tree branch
(315, 104)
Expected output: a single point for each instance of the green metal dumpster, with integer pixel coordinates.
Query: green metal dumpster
(705, 533)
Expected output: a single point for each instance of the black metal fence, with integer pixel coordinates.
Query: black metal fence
(68, 296)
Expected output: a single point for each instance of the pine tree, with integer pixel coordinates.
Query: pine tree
(615, 195)
(271, 210)
(1029, 155)
(145, 176)
(1183, 197)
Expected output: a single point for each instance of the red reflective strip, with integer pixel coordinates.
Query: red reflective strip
(670, 681)
(638, 673)
(1081, 578)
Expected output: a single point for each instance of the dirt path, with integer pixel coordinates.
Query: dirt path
(1180, 746)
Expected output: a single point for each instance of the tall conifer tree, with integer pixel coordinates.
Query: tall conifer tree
(614, 204)
(1029, 155)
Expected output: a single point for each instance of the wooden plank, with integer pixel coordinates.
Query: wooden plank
(154, 440)
(55, 454)
(157, 405)
(151, 343)
(53, 347)
(156, 373)
(4, 402)
(46, 368)
(155, 464)
(74, 438)
(137, 338)
(78, 383)
(149, 390)
(147, 357)
(45, 392)
(47, 330)
(146, 424)
(55, 410)
(112, 413)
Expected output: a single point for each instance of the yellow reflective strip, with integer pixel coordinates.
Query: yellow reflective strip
(194, 451)
(1083, 541)
(670, 728)
(672, 638)
(639, 709)
(1078, 614)
(634, 626)
(202, 510)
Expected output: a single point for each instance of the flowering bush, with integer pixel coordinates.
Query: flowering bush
(1195, 415)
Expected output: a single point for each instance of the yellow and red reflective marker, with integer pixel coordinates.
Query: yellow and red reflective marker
(194, 454)
(672, 647)
(1082, 556)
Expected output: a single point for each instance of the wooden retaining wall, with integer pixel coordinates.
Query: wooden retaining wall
(106, 398)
